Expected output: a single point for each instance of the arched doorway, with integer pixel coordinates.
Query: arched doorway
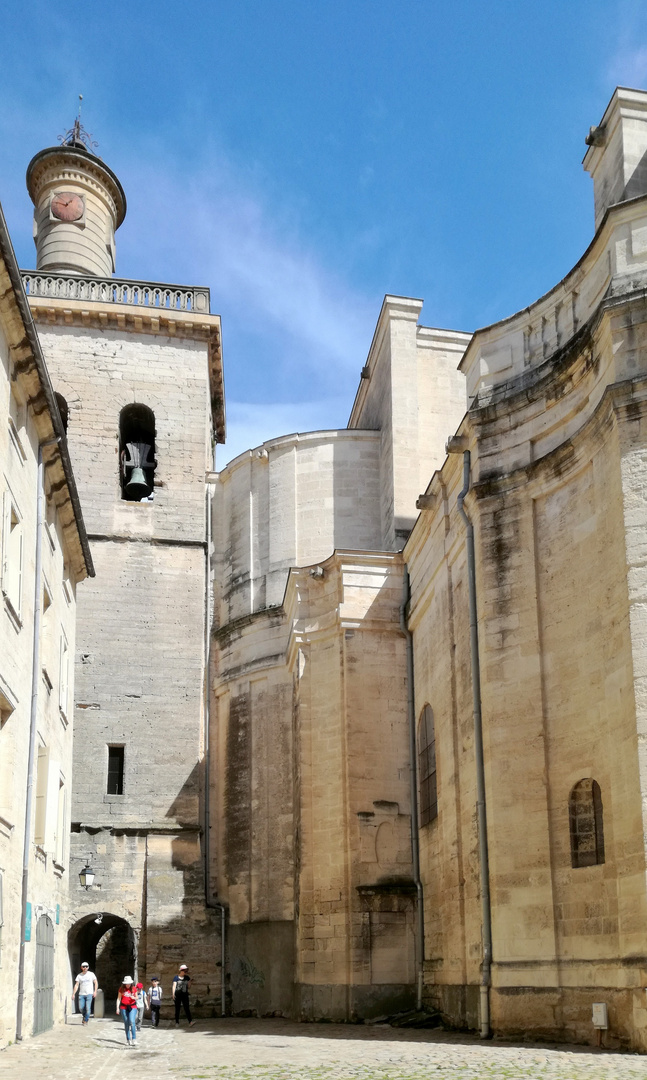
(109, 944)
(44, 976)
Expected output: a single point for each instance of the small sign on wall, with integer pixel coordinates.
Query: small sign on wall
(27, 922)
(600, 1015)
(58, 914)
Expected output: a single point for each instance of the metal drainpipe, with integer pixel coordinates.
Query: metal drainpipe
(207, 757)
(33, 727)
(481, 812)
(223, 953)
(413, 756)
(207, 692)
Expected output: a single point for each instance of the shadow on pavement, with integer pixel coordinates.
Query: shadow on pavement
(238, 1028)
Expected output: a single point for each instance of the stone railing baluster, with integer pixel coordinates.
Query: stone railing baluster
(116, 291)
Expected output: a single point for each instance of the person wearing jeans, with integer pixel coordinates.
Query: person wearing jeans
(127, 1009)
(154, 998)
(86, 984)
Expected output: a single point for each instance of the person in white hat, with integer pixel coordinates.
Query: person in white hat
(86, 984)
(127, 1007)
(180, 990)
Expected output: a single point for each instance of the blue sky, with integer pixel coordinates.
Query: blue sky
(303, 158)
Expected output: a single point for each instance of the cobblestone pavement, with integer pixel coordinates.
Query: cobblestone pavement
(280, 1050)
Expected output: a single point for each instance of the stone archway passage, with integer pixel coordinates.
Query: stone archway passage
(108, 944)
(44, 976)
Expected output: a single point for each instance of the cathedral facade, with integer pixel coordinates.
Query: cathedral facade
(359, 721)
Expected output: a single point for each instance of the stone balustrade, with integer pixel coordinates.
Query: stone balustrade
(61, 286)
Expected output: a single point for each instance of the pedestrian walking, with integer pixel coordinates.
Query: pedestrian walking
(141, 1004)
(86, 984)
(127, 1006)
(155, 1000)
(181, 984)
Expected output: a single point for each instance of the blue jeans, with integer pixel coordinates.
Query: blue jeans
(129, 1017)
(85, 1005)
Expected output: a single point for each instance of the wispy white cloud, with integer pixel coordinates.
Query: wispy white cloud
(295, 334)
(276, 292)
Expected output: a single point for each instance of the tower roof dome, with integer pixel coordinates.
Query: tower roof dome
(79, 204)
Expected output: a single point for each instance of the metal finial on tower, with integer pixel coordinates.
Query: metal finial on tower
(77, 135)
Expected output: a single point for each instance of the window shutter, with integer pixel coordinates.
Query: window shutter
(51, 805)
(63, 676)
(6, 529)
(60, 825)
(17, 601)
(12, 553)
(41, 795)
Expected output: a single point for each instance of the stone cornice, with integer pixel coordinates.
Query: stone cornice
(298, 438)
(185, 325)
(55, 164)
(326, 617)
(572, 455)
(30, 370)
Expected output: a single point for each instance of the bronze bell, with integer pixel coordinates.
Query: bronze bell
(136, 457)
(138, 487)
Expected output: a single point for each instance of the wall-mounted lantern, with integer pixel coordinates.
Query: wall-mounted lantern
(86, 877)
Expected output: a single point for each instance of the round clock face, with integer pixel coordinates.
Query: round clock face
(66, 206)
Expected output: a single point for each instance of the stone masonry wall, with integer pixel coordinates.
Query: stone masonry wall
(141, 644)
(49, 866)
(558, 663)
(355, 943)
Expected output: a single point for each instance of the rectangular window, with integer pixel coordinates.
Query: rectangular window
(115, 770)
(12, 554)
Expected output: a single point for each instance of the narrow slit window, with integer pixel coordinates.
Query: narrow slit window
(586, 824)
(427, 766)
(115, 770)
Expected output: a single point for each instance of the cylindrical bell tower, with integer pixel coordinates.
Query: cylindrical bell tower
(78, 206)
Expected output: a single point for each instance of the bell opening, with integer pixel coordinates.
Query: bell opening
(137, 453)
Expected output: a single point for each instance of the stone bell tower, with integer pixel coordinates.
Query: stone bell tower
(139, 367)
(78, 206)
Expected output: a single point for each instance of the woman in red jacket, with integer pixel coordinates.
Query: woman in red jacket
(127, 1006)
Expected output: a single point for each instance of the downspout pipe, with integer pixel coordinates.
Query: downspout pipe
(33, 729)
(223, 957)
(454, 446)
(207, 756)
(413, 771)
(207, 694)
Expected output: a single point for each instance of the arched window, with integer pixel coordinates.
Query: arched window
(427, 766)
(585, 819)
(62, 408)
(137, 452)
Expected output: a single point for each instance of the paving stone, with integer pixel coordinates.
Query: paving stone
(281, 1050)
